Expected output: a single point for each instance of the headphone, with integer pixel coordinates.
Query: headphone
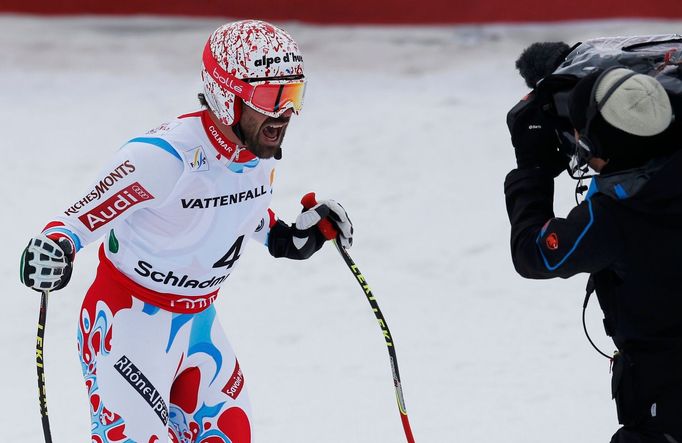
(585, 146)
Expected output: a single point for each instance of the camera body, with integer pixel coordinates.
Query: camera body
(659, 56)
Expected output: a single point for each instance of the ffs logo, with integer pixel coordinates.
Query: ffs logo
(196, 159)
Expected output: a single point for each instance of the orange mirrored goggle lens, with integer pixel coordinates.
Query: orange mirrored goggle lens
(274, 98)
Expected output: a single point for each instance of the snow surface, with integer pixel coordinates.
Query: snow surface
(406, 127)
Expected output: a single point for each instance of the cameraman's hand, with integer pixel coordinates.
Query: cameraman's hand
(534, 137)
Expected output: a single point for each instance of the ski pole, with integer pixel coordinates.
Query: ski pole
(329, 232)
(40, 366)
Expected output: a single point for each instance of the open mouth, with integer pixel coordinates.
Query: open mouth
(272, 132)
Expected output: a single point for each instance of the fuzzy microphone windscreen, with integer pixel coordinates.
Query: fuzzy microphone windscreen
(541, 59)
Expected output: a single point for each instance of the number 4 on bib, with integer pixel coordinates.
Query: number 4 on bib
(230, 258)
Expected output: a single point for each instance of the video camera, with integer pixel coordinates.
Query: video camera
(659, 56)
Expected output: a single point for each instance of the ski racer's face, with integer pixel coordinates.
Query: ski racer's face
(263, 135)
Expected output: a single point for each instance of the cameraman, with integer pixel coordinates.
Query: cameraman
(627, 233)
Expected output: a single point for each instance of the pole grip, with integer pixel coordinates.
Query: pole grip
(326, 228)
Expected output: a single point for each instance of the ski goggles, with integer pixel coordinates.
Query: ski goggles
(270, 96)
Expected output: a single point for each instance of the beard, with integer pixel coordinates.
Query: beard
(263, 140)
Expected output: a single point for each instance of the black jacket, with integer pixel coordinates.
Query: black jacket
(628, 235)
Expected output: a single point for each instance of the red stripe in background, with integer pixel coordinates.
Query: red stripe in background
(360, 11)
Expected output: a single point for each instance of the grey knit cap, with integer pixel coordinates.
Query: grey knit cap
(637, 104)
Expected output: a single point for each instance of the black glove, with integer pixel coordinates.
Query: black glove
(291, 242)
(534, 136)
(45, 264)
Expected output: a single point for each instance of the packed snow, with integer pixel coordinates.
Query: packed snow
(403, 125)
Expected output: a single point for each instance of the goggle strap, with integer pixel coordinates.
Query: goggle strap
(224, 79)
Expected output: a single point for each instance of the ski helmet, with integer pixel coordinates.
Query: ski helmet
(253, 62)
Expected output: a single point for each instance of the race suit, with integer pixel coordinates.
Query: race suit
(176, 206)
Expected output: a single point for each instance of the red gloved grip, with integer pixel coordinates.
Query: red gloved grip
(326, 228)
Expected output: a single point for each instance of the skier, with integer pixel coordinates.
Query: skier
(626, 234)
(177, 206)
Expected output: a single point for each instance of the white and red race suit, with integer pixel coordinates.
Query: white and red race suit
(177, 207)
